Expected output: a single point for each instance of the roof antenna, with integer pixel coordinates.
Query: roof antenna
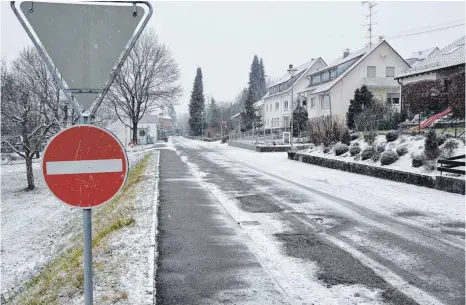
(370, 5)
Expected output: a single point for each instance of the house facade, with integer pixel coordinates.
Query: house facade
(330, 89)
(277, 102)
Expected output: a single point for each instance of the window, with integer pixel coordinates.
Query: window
(390, 71)
(393, 98)
(324, 76)
(315, 79)
(277, 106)
(285, 105)
(313, 102)
(333, 73)
(304, 103)
(324, 101)
(371, 71)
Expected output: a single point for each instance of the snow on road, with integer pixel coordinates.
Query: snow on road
(434, 208)
(35, 226)
(332, 193)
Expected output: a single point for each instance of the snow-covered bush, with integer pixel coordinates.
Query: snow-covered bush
(340, 149)
(355, 136)
(370, 136)
(388, 157)
(380, 148)
(225, 139)
(431, 150)
(326, 150)
(448, 148)
(354, 150)
(356, 144)
(402, 150)
(345, 137)
(357, 157)
(417, 159)
(367, 153)
(391, 136)
(419, 137)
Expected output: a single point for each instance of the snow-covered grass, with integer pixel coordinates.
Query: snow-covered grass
(414, 144)
(41, 240)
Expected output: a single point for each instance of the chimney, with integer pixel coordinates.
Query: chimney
(346, 53)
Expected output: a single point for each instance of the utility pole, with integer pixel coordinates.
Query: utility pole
(370, 6)
(292, 72)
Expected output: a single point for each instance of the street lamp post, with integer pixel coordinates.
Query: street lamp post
(162, 108)
(292, 71)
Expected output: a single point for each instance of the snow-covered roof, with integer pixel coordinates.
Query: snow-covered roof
(299, 69)
(350, 56)
(363, 53)
(258, 104)
(299, 73)
(149, 119)
(423, 54)
(451, 55)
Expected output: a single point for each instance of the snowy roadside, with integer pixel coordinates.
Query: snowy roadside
(413, 144)
(430, 207)
(35, 227)
(125, 263)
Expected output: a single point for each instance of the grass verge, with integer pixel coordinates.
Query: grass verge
(63, 277)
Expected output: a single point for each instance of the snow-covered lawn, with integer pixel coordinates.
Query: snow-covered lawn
(414, 144)
(35, 227)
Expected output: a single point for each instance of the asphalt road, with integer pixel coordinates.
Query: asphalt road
(234, 234)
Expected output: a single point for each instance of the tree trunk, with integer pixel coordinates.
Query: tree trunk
(135, 133)
(29, 173)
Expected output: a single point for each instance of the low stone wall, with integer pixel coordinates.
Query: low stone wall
(262, 148)
(443, 183)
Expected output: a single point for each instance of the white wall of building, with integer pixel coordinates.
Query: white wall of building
(282, 114)
(343, 91)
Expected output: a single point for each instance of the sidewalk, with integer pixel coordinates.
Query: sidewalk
(202, 258)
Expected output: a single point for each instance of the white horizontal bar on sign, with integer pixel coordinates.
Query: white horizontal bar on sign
(84, 167)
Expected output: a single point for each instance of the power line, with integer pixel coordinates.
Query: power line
(428, 31)
(428, 27)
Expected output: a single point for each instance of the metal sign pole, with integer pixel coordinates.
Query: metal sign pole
(87, 245)
(88, 287)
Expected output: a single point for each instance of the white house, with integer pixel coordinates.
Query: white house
(277, 101)
(147, 130)
(329, 90)
(259, 109)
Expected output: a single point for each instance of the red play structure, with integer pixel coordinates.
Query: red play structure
(435, 117)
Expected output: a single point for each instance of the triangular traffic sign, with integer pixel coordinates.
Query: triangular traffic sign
(86, 42)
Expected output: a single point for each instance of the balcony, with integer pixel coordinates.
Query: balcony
(379, 82)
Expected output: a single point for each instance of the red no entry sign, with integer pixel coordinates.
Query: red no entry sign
(84, 166)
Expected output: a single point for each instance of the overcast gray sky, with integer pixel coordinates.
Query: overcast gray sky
(222, 37)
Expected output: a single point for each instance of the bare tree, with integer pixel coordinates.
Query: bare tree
(31, 111)
(147, 80)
